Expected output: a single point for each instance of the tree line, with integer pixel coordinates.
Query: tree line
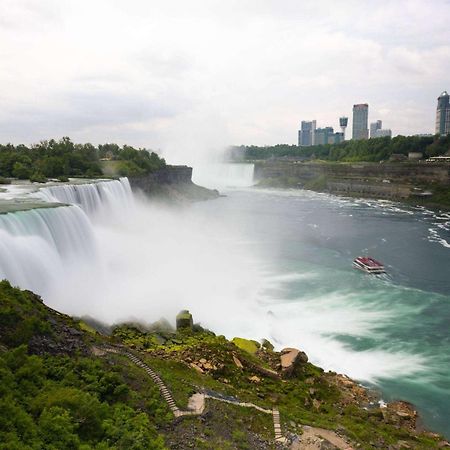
(62, 159)
(374, 150)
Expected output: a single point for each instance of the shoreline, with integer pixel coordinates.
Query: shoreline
(413, 183)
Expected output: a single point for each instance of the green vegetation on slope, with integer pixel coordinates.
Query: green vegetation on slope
(56, 393)
(62, 159)
(67, 400)
(310, 397)
(349, 151)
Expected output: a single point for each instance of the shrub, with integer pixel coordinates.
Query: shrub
(38, 177)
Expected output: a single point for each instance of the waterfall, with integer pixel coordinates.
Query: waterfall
(39, 247)
(104, 197)
(224, 175)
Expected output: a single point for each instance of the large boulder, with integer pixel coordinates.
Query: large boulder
(290, 359)
(247, 345)
(184, 320)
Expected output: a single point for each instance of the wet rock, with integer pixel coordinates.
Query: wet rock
(401, 414)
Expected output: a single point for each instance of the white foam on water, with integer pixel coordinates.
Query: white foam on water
(148, 261)
(223, 175)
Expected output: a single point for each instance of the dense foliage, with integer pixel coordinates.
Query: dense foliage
(66, 402)
(363, 150)
(56, 394)
(62, 159)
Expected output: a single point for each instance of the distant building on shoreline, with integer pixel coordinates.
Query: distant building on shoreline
(360, 120)
(374, 127)
(384, 132)
(327, 135)
(443, 114)
(309, 135)
(343, 122)
(377, 131)
(306, 134)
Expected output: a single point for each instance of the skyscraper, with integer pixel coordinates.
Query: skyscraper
(360, 117)
(306, 134)
(443, 114)
(374, 127)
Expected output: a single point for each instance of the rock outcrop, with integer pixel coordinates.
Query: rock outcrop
(172, 183)
(184, 320)
(289, 360)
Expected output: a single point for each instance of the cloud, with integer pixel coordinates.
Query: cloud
(205, 74)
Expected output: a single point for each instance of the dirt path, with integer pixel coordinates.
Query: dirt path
(313, 439)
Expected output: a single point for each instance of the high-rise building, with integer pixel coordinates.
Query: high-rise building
(306, 134)
(322, 135)
(343, 122)
(443, 114)
(360, 118)
(327, 135)
(374, 127)
(382, 132)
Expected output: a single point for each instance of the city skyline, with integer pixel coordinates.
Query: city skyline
(192, 78)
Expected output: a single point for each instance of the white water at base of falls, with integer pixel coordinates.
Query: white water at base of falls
(255, 263)
(223, 175)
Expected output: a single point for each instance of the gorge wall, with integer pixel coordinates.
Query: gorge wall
(387, 180)
(173, 183)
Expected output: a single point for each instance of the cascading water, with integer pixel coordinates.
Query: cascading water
(36, 245)
(39, 247)
(104, 197)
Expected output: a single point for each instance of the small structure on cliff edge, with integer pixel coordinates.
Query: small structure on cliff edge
(184, 320)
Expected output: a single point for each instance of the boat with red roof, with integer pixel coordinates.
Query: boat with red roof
(368, 264)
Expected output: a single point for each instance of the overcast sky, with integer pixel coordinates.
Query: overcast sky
(182, 75)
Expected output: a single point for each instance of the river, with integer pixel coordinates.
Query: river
(391, 332)
(254, 263)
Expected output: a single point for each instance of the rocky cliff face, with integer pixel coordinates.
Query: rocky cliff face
(172, 183)
(414, 172)
(387, 180)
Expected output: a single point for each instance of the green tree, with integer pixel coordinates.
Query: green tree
(57, 429)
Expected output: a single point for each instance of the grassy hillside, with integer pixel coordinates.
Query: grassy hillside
(60, 390)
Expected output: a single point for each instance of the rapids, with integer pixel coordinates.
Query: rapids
(256, 263)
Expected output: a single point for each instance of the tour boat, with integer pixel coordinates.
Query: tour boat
(368, 264)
